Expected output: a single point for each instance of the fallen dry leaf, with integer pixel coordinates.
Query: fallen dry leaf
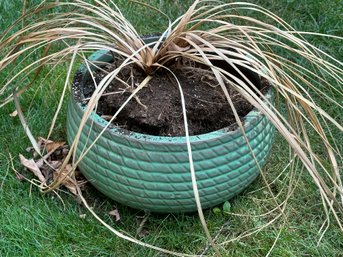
(32, 166)
(54, 153)
(42, 141)
(115, 215)
(48, 169)
(53, 146)
(14, 114)
(48, 144)
(68, 182)
(30, 149)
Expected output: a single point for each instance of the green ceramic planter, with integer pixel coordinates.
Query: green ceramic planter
(152, 173)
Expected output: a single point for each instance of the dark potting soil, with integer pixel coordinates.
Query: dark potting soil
(157, 110)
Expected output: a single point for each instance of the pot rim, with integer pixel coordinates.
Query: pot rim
(249, 121)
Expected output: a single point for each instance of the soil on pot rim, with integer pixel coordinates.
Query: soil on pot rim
(156, 110)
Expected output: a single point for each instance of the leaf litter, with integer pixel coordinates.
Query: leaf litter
(14, 113)
(47, 168)
(115, 215)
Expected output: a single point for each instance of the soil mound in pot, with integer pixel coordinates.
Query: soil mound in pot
(156, 110)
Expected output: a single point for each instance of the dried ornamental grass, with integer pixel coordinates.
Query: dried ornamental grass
(209, 31)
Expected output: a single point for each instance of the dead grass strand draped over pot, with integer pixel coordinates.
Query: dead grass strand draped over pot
(67, 31)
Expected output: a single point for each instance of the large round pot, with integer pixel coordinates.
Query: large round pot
(152, 173)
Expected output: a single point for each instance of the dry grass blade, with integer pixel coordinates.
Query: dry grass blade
(24, 123)
(192, 170)
(69, 182)
(64, 91)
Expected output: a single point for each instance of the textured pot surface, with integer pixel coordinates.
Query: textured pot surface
(152, 173)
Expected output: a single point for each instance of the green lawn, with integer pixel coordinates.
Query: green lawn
(33, 224)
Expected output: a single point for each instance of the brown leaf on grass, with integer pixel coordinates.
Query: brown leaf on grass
(53, 146)
(60, 153)
(32, 166)
(115, 215)
(30, 149)
(68, 181)
(49, 145)
(14, 114)
(48, 169)
(43, 141)
(55, 164)
(55, 153)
